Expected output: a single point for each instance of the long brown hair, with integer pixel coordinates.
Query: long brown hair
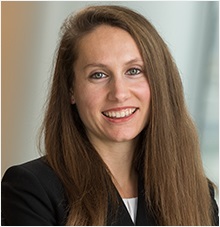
(168, 155)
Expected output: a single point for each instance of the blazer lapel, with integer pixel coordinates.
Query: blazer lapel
(144, 216)
(123, 218)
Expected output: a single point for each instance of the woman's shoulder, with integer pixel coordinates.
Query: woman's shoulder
(34, 165)
(32, 194)
(35, 169)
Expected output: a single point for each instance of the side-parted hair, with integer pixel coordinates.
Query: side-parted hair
(167, 155)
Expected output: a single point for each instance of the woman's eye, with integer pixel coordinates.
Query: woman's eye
(98, 75)
(133, 71)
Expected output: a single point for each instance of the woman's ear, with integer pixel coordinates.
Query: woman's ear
(72, 99)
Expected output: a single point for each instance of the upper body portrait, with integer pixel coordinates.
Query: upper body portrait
(120, 145)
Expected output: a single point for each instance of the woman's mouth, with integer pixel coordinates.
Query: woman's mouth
(124, 113)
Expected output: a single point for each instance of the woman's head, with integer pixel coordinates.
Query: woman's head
(158, 66)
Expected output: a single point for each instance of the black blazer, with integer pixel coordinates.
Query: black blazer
(32, 195)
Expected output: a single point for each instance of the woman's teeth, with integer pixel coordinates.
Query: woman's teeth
(120, 114)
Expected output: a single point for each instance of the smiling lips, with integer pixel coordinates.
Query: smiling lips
(124, 113)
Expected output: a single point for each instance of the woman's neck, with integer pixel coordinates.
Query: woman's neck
(119, 159)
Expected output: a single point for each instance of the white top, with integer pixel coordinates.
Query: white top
(131, 205)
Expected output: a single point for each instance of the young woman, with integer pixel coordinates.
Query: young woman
(120, 147)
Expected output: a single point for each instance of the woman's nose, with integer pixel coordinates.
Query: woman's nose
(118, 90)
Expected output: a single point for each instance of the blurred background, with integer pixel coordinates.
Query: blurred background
(29, 38)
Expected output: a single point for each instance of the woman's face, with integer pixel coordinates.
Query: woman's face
(111, 92)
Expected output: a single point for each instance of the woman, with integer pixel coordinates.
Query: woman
(120, 147)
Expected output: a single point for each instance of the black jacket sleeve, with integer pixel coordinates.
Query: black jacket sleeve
(32, 196)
